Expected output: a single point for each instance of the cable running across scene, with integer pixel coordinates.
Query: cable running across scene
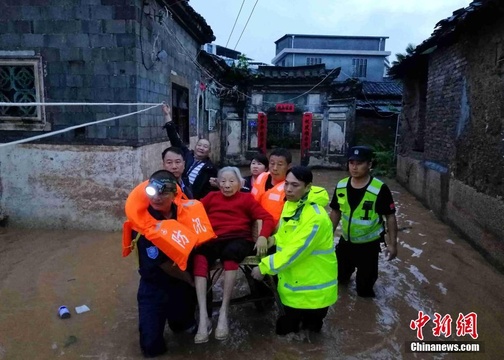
(42, 136)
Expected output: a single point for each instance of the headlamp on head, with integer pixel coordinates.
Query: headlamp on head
(156, 187)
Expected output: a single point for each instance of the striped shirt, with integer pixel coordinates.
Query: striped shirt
(194, 170)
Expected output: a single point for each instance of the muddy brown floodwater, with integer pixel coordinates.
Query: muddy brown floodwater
(436, 271)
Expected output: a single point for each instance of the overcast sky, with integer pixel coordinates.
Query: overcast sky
(403, 21)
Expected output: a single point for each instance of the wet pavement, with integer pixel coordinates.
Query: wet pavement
(436, 271)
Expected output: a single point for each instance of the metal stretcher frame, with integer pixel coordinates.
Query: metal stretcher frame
(246, 267)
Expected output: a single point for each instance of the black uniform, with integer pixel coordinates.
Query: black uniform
(161, 297)
(364, 256)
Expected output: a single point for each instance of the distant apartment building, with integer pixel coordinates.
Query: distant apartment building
(362, 57)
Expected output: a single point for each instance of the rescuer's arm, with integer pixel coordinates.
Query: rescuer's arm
(391, 250)
(335, 216)
(173, 270)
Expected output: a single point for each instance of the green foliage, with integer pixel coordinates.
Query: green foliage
(410, 50)
(384, 161)
(243, 63)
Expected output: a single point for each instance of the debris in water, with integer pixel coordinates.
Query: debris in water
(63, 312)
(442, 288)
(416, 252)
(81, 309)
(416, 273)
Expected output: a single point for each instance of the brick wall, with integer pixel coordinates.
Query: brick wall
(412, 118)
(479, 160)
(460, 174)
(91, 52)
(446, 78)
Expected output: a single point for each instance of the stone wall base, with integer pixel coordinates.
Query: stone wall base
(72, 186)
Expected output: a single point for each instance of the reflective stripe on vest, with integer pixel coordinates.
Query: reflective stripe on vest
(297, 254)
(312, 287)
(362, 229)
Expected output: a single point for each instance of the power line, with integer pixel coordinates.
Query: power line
(246, 24)
(42, 136)
(236, 20)
(203, 69)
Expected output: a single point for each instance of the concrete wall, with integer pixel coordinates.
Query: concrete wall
(72, 186)
(301, 42)
(375, 64)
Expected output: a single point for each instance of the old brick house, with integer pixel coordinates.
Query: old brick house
(451, 152)
(94, 51)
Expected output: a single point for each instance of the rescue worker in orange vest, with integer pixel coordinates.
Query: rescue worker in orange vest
(268, 188)
(165, 293)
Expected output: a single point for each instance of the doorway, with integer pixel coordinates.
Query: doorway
(284, 130)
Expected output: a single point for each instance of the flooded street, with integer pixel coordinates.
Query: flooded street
(436, 272)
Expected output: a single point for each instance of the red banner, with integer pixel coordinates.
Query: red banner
(306, 137)
(284, 107)
(262, 131)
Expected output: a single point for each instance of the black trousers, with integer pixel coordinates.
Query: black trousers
(364, 257)
(174, 302)
(311, 319)
(229, 249)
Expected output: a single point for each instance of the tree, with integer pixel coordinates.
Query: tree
(400, 57)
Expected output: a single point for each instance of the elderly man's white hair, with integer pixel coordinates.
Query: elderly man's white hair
(232, 169)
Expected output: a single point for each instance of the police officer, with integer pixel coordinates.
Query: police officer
(360, 202)
(165, 294)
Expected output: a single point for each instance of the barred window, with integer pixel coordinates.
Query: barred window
(359, 68)
(313, 61)
(21, 82)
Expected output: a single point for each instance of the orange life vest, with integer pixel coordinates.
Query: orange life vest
(273, 199)
(175, 238)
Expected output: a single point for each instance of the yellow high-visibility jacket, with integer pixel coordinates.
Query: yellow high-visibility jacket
(305, 260)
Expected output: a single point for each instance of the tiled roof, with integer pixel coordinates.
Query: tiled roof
(445, 32)
(382, 88)
(213, 62)
(186, 16)
(295, 75)
(310, 71)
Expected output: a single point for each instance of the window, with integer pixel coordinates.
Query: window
(21, 81)
(180, 111)
(283, 62)
(257, 99)
(313, 99)
(359, 68)
(313, 61)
